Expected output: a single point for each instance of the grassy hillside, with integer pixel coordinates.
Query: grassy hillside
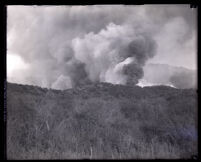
(101, 121)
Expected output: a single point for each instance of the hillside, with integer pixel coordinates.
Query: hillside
(101, 121)
(178, 77)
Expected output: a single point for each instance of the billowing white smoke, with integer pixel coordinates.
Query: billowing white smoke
(114, 74)
(62, 82)
(108, 53)
(74, 45)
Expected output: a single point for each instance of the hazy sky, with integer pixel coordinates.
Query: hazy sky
(62, 46)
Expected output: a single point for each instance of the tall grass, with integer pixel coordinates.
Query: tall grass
(156, 123)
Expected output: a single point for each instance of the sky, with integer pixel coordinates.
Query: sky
(64, 46)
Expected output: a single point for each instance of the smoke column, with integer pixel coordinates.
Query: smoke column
(67, 46)
(115, 54)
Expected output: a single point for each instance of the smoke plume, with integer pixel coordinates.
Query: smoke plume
(67, 46)
(105, 53)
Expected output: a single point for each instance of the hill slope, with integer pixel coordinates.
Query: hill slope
(179, 77)
(102, 121)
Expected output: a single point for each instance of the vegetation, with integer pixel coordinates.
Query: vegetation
(101, 121)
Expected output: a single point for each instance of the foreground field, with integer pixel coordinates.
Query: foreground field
(101, 121)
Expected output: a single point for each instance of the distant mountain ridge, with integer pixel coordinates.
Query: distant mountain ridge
(178, 77)
(101, 121)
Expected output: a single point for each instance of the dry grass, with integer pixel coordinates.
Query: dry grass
(155, 123)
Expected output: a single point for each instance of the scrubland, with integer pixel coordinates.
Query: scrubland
(101, 121)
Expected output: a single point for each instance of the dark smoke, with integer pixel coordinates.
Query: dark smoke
(78, 74)
(133, 72)
(141, 50)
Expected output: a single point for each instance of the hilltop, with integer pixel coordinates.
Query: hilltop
(101, 121)
(178, 77)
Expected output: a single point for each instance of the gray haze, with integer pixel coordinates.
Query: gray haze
(177, 77)
(65, 46)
